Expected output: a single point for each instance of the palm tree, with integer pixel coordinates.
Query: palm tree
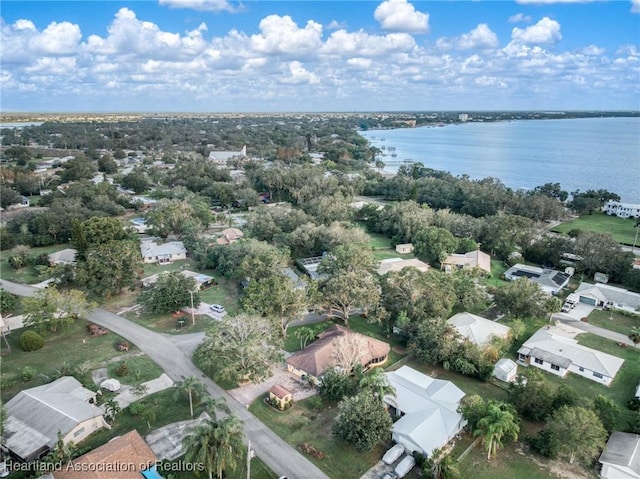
(377, 383)
(148, 414)
(634, 335)
(217, 445)
(499, 422)
(112, 407)
(192, 386)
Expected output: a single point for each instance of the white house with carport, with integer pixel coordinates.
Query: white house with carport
(606, 296)
(35, 417)
(427, 408)
(621, 457)
(478, 330)
(560, 355)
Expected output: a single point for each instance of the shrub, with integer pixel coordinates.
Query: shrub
(8, 301)
(122, 369)
(316, 403)
(136, 408)
(28, 373)
(31, 341)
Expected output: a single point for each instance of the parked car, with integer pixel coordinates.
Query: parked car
(390, 475)
(217, 308)
(404, 466)
(393, 454)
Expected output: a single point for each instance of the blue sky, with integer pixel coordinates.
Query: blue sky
(217, 55)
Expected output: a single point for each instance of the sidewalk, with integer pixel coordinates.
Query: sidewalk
(161, 383)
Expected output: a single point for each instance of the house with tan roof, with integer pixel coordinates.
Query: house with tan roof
(125, 457)
(229, 235)
(35, 417)
(469, 260)
(398, 264)
(478, 330)
(317, 358)
(560, 355)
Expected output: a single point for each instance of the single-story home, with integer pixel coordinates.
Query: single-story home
(202, 280)
(310, 267)
(35, 417)
(318, 357)
(229, 235)
(560, 355)
(222, 157)
(549, 280)
(427, 408)
(404, 248)
(505, 370)
(606, 296)
(65, 256)
(621, 457)
(139, 225)
(469, 260)
(124, 457)
(478, 330)
(165, 253)
(398, 264)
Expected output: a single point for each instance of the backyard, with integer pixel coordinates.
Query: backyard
(26, 274)
(622, 230)
(71, 350)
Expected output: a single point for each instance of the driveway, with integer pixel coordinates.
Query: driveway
(281, 457)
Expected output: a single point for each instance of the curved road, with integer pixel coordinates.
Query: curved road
(275, 452)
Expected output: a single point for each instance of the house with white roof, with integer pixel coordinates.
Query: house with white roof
(560, 355)
(478, 330)
(35, 417)
(606, 296)
(165, 253)
(427, 407)
(622, 210)
(621, 457)
(549, 280)
(222, 157)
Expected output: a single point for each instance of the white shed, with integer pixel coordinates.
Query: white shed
(505, 370)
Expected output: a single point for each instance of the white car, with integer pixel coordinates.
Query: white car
(404, 466)
(393, 454)
(217, 308)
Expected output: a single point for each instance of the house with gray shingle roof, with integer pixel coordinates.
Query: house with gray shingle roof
(35, 417)
(560, 355)
(165, 253)
(550, 280)
(606, 296)
(478, 330)
(621, 457)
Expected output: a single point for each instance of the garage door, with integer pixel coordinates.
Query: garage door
(589, 301)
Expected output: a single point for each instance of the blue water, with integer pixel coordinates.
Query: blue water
(586, 153)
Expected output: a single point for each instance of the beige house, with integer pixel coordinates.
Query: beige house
(398, 264)
(229, 235)
(317, 358)
(161, 254)
(280, 395)
(36, 416)
(405, 248)
(478, 330)
(470, 260)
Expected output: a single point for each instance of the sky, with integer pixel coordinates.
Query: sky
(298, 55)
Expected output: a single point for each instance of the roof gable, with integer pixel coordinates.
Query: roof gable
(476, 329)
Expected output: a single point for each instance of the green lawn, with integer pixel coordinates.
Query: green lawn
(28, 274)
(302, 424)
(614, 321)
(226, 293)
(498, 267)
(622, 230)
(379, 240)
(168, 323)
(70, 349)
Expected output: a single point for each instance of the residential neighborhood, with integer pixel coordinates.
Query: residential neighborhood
(224, 295)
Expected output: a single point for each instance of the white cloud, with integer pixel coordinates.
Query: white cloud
(401, 16)
(519, 18)
(361, 43)
(336, 25)
(200, 5)
(545, 31)
(593, 50)
(364, 63)
(635, 6)
(298, 74)
(281, 35)
(480, 37)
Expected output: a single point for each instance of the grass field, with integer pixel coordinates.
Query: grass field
(70, 349)
(498, 267)
(302, 424)
(622, 230)
(28, 274)
(613, 321)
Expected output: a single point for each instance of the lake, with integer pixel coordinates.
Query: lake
(585, 153)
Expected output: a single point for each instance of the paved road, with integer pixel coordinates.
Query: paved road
(277, 454)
